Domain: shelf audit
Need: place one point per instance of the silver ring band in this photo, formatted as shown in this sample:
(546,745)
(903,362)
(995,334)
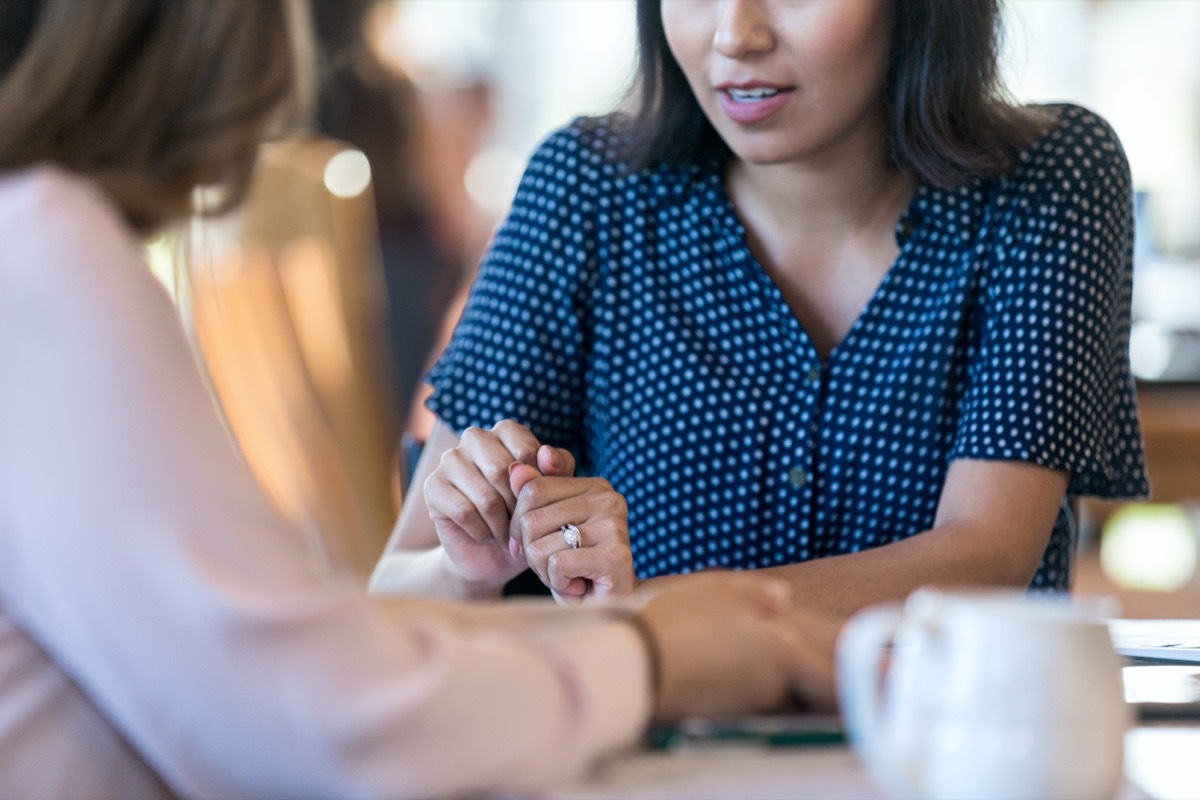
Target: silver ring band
(572,536)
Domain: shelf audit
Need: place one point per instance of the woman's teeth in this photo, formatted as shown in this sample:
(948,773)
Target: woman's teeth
(750,95)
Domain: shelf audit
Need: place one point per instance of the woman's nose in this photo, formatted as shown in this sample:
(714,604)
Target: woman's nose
(743,27)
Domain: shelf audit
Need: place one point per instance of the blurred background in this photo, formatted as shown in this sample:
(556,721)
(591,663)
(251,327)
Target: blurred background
(432,107)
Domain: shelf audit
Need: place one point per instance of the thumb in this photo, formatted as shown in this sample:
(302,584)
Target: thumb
(555,461)
(520,474)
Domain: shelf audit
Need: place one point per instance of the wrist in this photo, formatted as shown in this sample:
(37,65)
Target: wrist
(465,586)
(430,573)
(653,652)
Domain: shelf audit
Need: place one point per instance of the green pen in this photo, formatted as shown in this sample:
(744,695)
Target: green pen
(789,730)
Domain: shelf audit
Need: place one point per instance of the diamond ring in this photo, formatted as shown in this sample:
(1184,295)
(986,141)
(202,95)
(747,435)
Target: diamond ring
(572,536)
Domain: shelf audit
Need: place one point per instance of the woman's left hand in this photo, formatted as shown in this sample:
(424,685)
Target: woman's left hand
(602,563)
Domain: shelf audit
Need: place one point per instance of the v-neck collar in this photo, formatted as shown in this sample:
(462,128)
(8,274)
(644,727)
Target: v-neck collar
(710,201)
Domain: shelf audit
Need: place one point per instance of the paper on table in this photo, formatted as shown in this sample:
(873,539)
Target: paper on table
(1168,639)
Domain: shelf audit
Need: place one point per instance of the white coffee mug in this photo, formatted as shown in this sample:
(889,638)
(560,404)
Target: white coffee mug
(988,695)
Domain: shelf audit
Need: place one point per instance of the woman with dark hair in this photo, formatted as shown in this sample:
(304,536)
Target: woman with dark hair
(164,632)
(826,306)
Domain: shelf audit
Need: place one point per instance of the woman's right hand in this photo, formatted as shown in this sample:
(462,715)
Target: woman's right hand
(600,564)
(734,643)
(471,502)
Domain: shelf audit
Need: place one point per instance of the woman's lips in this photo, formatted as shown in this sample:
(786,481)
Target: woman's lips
(747,108)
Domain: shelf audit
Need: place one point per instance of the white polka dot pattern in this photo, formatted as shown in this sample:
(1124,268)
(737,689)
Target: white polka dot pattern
(621,314)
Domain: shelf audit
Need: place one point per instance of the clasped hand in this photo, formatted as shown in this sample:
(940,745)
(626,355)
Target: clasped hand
(500,501)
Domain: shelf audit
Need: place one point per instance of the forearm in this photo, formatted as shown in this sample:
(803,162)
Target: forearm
(414,562)
(948,555)
(992,528)
(429,573)
(952,554)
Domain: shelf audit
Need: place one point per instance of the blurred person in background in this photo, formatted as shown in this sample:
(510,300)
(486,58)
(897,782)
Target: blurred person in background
(163,631)
(826,305)
(418,145)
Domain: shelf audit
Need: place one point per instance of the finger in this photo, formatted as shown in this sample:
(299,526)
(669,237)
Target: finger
(491,458)
(539,548)
(555,461)
(811,641)
(460,471)
(520,474)
(446,502)
(577,596)
(544,535)
(606,571)
(609,570)
(518,440)
(573,500)
(601,516)
(532,518)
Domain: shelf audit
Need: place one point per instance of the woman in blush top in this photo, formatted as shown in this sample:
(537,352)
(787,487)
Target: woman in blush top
(164,632)
(825,306)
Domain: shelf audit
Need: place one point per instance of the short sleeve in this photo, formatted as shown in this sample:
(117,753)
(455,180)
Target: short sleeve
(1050,382)
(520,349)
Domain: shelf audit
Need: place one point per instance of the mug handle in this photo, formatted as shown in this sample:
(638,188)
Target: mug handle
(861,650)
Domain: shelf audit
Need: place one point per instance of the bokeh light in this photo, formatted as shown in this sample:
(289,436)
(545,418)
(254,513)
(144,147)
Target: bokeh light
(1149,546)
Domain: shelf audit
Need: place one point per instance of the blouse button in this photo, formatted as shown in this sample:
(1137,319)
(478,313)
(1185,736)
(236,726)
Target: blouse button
(814,375)
(797,477)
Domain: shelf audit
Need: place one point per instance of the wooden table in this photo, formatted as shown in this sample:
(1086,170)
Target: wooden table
(1160,761)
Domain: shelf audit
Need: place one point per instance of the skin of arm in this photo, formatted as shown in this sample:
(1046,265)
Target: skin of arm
(414,560)
(993,524)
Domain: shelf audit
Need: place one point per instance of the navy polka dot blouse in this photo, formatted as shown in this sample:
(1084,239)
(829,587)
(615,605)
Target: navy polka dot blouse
(621,314)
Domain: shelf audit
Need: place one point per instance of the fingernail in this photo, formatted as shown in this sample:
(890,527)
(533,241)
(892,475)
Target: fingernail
(514,548)
(512,468)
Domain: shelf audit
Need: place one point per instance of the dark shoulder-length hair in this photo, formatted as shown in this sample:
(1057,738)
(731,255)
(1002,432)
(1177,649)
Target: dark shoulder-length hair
(948,118)
(151,98)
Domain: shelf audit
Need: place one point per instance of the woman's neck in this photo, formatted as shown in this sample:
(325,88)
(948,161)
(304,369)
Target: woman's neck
(848,189)
(824,230)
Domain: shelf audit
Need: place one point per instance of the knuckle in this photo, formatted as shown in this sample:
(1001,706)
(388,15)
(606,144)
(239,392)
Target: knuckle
(554,566)
(496,474)
(519,440)
(526,527)
(525,451)
(533,493)
(459,514)
(618,561)
(450,460)
(537,561)
(491,503)
(612,503)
